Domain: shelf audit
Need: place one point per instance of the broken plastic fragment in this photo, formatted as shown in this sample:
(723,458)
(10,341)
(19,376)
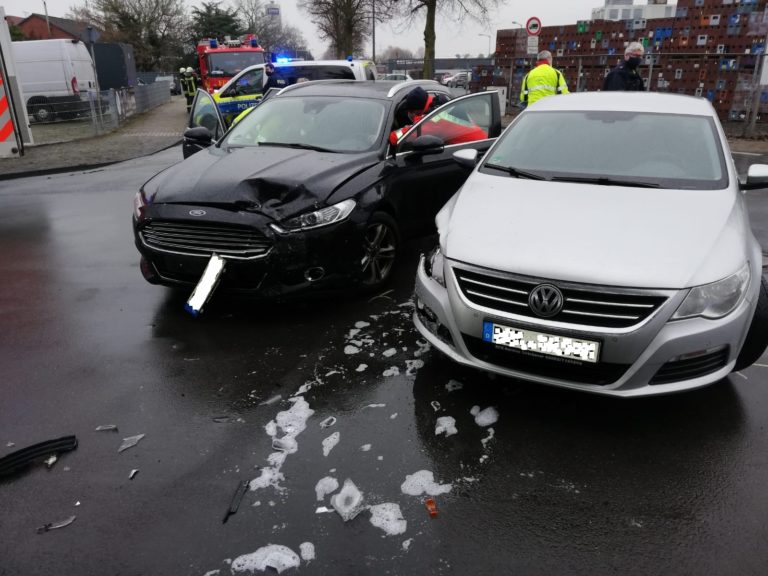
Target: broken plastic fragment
(205,287)
(330,442)
(55,525)
(271,400)
(325,486)
(389,518)
(432,507)
(106,428)
(328,422)
(435,405)
(237,497)
(348,502)
(130,442)
(50,461)
(133,473)
(407,544)
(365,447)
(323,510)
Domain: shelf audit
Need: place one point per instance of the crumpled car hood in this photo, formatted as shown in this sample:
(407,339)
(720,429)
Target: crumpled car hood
(616,236)
(278,182)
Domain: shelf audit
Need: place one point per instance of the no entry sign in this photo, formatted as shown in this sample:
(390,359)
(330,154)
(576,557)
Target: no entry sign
(533,26)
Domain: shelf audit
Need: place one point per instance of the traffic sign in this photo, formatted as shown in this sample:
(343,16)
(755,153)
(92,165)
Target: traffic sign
(533,26)
(532,45)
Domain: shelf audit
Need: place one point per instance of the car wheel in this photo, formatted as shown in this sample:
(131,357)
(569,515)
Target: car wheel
(757,337)
(381,244)
(41,111)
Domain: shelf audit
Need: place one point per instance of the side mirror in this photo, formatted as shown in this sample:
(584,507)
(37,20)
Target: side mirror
(757,177)
(466,158)
(428,144)
(195,139)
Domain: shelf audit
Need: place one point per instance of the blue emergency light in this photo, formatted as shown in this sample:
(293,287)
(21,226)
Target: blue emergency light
(213,43)
(254,43)
(283,60)
(349,58)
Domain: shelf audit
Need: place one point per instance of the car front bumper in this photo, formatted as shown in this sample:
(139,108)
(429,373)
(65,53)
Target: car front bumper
(658,357)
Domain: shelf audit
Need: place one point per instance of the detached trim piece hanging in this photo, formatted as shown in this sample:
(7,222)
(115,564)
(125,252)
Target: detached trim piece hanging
(205,287)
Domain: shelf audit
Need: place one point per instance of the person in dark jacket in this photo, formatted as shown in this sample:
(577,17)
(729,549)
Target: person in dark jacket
(625,76)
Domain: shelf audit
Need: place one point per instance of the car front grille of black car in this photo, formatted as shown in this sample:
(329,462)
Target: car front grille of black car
(205,239)
(583,304)
(689,368)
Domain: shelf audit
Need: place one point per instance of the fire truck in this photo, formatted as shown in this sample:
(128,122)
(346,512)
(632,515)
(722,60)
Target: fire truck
(218,62)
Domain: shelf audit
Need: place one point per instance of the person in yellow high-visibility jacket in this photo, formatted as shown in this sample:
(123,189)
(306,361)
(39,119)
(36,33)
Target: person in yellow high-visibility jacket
(542,81)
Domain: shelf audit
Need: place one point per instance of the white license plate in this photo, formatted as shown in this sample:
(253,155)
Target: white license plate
(541,343)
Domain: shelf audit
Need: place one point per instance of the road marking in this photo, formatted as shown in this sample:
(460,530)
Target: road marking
(761,365)
(742,375)
(747,153)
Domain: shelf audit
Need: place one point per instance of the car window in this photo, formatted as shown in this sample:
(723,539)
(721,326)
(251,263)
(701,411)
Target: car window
(230,63)
(466,120)
(248,84)
(204,113)
(292,74)
(651,148)
(333,123)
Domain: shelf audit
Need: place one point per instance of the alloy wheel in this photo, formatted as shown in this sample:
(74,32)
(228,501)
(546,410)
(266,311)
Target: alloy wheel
(380,250)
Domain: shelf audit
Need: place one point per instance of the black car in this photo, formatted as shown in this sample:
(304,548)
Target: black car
(307,192)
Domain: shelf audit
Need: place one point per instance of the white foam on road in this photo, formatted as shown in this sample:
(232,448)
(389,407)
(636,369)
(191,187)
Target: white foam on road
(423,482)
(445,425)
(307,551)
(330,442)
(389,518)
(454,385)
(389,352)
(349,349)
(484,417)
(275,556)
(325,486)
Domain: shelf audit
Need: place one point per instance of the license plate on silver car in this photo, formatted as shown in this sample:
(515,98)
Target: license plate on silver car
(541,342)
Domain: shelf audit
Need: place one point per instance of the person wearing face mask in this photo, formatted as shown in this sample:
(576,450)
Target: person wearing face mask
(272,80)
(625,76)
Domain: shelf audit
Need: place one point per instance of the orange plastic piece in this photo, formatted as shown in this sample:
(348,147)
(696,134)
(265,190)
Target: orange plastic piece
(431,506)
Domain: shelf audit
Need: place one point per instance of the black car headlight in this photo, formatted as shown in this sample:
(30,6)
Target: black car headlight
(318,218)
(434,266)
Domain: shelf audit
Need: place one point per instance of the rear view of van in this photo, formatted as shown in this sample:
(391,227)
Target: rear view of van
(55,76)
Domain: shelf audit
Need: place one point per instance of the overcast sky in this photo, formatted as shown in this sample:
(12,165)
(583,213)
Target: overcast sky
(452,37)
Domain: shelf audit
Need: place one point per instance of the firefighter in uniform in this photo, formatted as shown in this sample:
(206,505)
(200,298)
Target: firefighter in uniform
(188,85)
(542,81)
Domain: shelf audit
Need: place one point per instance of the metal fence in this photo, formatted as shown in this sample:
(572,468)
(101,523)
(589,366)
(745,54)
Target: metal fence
(95,113)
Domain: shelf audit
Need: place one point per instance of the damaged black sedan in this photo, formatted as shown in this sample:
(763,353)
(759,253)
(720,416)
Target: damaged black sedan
(310,190)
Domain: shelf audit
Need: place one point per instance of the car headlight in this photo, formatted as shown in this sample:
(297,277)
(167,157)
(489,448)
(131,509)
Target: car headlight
(434,266)
(138,204)
(717,299)
(318,218)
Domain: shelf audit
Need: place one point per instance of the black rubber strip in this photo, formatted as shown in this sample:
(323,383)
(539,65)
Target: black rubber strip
(15,461)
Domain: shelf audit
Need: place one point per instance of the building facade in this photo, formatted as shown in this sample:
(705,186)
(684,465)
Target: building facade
(709,48)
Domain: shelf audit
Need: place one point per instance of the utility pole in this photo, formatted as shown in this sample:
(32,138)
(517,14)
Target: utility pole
(373,28)
(47,23)
(749,128)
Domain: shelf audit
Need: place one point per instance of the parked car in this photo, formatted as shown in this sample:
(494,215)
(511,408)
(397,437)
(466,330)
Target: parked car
(397,77)
(53,74)
(173,82)
(246,88)
(306,192)
(602,244)
(460,80)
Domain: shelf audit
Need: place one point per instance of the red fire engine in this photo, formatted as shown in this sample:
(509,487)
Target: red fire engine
(218,62)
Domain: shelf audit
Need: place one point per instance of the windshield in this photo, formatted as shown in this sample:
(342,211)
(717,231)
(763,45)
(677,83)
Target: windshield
(293,73)
(230,63)
(331,123)
(661,150)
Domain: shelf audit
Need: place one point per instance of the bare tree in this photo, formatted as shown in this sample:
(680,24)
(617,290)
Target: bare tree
(344,23)
(395,52)
(455,9)
(251,12)
(155,28)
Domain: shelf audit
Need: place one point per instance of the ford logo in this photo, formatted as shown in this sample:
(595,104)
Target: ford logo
(197,212)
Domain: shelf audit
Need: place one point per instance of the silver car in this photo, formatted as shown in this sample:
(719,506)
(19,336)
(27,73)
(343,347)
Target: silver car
(602,244)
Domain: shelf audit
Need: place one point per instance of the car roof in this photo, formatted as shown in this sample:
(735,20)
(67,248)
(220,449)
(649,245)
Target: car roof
(627,102)
(381,89)
(348,63)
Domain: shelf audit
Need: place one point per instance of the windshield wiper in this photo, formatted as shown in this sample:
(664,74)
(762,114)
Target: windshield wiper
(602,181)
(515,172)
(297,145)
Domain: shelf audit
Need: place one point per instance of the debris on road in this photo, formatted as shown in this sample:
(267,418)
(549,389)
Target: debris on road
(431,507)
(21,458)
(50,461)
(325,486)
(130,442)
(330,442)
(237,497)
(106,428)
(348,502)
(454,385)
(328,422)
(435,405)
(271,400)
(485,417)
(56,525)
(423,482)
(388,517)
(133,473)
(446,425)
(322,510)
(307,551)
(273,556)
(365,447)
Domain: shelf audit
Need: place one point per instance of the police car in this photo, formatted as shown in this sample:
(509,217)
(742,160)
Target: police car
(247,88)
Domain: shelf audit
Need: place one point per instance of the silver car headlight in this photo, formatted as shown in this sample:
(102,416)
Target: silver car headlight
(717,299)
(318,218)
(138,204)
(434,266)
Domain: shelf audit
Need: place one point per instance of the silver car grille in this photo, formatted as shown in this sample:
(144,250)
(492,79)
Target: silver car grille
(584,304)
(205,239)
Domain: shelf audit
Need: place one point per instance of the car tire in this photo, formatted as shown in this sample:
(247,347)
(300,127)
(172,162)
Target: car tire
(381,248)
(757,336)
(40,110)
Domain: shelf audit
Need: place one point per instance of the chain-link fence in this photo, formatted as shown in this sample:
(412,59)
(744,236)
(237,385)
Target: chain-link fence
(93,113)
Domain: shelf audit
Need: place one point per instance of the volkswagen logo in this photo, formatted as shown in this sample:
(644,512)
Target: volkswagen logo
(197,212)
(545,300)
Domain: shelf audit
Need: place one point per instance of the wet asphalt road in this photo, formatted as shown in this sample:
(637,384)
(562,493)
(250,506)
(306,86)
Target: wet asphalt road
(566,484)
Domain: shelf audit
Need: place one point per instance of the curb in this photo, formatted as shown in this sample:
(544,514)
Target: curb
(79,167)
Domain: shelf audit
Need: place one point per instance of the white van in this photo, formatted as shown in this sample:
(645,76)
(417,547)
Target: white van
(53,74)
